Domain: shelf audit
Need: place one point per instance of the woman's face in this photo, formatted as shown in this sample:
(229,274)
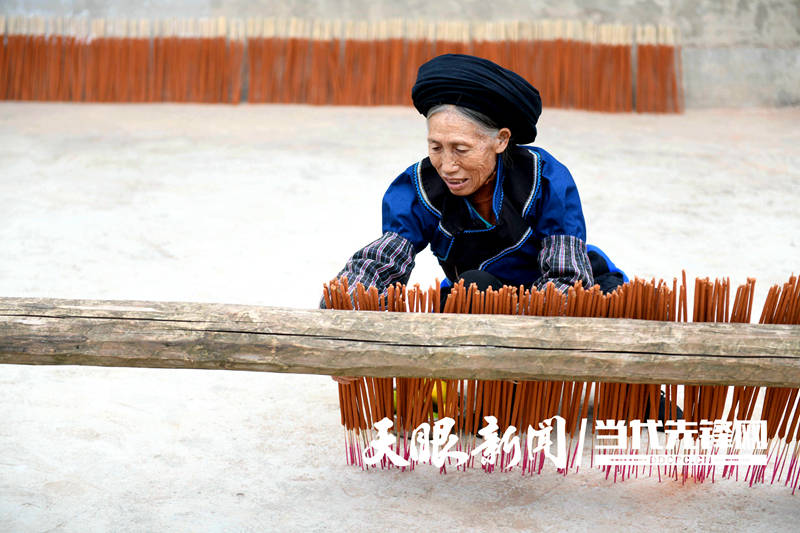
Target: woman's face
(462,154)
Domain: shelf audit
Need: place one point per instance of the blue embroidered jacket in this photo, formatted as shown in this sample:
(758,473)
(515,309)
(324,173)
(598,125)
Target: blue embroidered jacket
(534,202)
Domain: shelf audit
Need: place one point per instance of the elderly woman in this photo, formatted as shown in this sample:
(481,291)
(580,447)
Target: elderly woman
(494,211)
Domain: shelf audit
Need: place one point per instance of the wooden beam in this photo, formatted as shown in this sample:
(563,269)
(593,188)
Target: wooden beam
(41,331)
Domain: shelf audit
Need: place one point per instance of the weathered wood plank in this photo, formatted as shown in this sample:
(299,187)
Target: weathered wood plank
(218,336)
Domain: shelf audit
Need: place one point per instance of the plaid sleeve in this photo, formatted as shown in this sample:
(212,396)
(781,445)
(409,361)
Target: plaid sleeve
(563,260)
(381,263)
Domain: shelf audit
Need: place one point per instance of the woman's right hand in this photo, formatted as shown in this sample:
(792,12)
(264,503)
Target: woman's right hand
(344,380)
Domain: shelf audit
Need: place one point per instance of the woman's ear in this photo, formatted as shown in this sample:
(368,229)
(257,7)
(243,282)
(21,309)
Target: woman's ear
(503,137)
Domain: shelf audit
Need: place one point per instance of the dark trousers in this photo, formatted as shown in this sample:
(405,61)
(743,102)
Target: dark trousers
(482,279)
(608,281)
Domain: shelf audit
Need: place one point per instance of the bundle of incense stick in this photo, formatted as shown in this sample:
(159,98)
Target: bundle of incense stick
(119,60)
(410,402)
(658,74)
(328,62)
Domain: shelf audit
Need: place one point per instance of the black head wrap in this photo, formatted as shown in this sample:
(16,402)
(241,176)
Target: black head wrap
(483,86)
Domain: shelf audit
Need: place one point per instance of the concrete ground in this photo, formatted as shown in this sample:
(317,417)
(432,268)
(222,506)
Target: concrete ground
(260,205)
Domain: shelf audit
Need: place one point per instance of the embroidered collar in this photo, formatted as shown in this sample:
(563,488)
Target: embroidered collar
(497,201)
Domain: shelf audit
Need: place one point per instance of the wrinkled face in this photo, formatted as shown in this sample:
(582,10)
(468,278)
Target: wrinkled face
(462,154)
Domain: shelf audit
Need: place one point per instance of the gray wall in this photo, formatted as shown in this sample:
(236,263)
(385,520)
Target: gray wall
(735,52)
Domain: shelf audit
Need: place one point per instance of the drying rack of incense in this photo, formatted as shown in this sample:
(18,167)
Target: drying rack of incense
(581,65)
(607,379)
(520,355)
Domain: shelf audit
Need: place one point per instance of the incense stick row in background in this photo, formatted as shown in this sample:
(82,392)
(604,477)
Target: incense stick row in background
(607,67)
(413,401)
